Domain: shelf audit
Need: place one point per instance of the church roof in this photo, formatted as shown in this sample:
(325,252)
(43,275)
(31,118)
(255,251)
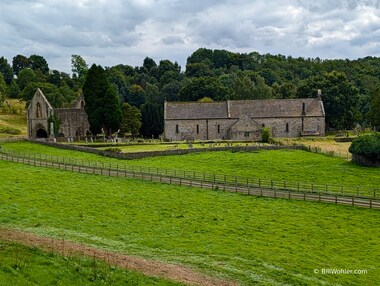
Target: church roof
(260,108)
(195,110)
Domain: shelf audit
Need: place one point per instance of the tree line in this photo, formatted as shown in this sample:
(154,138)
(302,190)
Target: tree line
(350,88)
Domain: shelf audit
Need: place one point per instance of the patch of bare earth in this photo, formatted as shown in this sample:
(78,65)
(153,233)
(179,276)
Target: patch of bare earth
(148,267)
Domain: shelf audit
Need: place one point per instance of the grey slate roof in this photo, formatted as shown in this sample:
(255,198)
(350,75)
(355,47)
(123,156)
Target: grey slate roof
(261,108)
(195,110)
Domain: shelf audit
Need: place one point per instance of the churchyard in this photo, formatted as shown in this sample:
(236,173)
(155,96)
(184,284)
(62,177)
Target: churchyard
(231,237)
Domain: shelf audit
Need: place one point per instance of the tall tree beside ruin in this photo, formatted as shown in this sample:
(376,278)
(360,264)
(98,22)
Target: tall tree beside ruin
(102,102)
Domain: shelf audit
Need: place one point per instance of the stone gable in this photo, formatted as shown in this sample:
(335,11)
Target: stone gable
(74,121)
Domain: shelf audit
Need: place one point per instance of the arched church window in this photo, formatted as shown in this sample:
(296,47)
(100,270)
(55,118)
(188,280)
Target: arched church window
(38,111)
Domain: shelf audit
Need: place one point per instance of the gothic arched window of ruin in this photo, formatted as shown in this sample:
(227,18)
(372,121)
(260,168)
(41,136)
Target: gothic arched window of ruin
(38,111)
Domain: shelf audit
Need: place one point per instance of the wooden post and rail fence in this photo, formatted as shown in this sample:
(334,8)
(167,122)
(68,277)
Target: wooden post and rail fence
(354,196)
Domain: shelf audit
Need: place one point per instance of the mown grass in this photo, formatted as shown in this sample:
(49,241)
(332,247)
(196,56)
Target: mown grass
(279,165)
(173,146)
(252,240)
(22,265)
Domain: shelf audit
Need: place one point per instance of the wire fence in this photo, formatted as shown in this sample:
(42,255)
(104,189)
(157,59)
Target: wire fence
(194,176)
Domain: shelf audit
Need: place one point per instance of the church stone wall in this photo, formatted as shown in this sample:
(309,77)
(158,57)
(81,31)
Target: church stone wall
(74,122)
(208,129)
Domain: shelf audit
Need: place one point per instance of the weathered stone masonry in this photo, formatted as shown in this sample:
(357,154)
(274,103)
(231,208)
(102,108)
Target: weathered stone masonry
(74,121)
(244,119)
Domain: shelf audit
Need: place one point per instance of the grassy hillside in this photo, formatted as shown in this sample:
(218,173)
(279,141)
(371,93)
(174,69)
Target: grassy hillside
(21,265)
(278,165)
(253,240)
(12,119)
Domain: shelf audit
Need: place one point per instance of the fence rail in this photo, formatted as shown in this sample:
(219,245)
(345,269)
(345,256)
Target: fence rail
(258,187)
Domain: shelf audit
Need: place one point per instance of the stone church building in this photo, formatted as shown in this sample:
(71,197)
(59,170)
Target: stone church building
(244,119)
(74,122)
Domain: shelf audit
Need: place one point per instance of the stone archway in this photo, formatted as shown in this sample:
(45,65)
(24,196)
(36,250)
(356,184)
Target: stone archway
(41,133)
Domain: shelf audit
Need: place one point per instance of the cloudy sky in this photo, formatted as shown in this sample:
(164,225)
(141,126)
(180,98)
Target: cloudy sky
(110,32)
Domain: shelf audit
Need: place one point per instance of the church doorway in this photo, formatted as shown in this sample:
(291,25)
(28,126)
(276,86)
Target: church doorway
(41,133)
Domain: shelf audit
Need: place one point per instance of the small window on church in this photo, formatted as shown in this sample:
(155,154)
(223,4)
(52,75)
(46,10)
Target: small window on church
(287,127)
(177,129)
(263,125)
(82,104)
(197,129)
(218,128)
(246,134)
(38,111)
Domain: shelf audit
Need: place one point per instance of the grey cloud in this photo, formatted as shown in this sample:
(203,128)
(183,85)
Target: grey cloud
(171,40)
(114,30)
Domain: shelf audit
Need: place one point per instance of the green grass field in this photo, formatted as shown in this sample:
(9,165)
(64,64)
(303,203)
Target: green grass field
(21,265)
(279,165)
(249,239)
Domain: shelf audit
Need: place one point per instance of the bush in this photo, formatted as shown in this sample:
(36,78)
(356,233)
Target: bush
(266,135)
(10,130)
(366,145)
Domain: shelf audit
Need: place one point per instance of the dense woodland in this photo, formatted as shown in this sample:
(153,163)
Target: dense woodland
(350,88)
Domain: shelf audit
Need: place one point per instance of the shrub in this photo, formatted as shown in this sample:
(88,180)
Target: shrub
(10,130)
(266,134)
(367,145)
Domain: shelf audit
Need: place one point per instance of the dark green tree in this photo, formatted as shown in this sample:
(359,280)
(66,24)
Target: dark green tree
(38,63)
(14,90)
(6,70)
(25,77)
(3,89)
(102,102)
(131,120)
(149,63)
(374,112)
(136,95)
(113,115)
(340,98)
(52,93)
(152,120)
(19,63)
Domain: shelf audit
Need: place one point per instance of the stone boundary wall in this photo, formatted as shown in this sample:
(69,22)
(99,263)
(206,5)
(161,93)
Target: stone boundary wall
(363,160)
(139,155)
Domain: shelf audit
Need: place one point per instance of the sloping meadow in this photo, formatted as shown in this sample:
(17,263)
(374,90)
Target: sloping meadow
(243,238)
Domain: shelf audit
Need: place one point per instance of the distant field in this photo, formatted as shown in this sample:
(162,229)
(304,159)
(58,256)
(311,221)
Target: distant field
(21,265)
(252,240)
(325,144)
(278,165)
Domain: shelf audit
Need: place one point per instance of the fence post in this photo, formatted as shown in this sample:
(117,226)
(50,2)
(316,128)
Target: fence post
(353,200)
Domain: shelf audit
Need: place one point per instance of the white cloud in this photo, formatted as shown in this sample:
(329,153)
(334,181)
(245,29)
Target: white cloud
(115,31)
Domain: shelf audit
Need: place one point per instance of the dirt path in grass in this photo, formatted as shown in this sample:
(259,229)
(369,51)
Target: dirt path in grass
(148,267)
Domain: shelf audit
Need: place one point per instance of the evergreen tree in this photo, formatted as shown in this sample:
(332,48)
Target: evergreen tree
(152,119)
(102,102)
